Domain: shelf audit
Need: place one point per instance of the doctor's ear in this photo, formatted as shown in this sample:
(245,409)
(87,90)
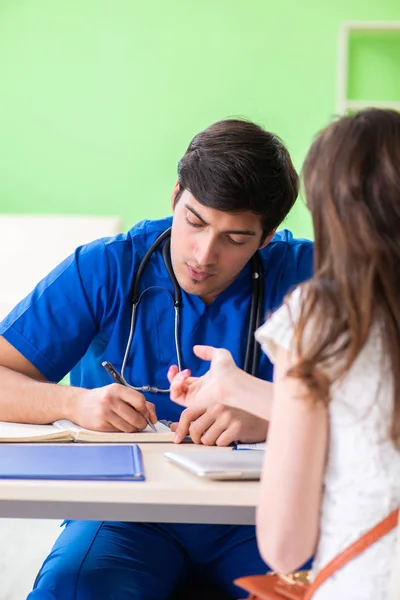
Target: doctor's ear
(175,194)
(268,239)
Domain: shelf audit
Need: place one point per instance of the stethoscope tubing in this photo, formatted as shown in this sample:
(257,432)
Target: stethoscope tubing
(256,309)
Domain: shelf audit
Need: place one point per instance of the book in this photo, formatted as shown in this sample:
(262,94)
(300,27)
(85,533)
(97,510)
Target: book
(111,463)
(66,431)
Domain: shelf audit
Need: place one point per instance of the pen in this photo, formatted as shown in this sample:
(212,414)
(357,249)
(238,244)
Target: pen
(112,371)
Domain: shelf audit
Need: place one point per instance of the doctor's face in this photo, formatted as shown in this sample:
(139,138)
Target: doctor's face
(209,247)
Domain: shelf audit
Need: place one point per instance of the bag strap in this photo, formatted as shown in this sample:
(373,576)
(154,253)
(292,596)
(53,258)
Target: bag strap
(366,540)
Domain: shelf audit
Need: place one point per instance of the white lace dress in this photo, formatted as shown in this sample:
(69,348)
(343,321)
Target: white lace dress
(362,477)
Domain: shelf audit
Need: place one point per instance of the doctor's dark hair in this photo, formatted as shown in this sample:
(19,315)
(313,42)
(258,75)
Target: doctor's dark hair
(235,166)
(352,186)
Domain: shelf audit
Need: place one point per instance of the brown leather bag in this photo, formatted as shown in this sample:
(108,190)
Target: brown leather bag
(297,587)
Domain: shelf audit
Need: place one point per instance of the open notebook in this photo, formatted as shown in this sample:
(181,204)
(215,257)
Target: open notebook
(66,431)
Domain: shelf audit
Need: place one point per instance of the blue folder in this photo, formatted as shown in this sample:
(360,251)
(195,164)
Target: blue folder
(111,463)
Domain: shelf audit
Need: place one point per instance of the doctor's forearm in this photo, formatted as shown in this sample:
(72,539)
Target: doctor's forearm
(26,400)
(249,393)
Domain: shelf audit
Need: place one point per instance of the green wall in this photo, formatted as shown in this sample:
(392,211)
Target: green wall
(99,98)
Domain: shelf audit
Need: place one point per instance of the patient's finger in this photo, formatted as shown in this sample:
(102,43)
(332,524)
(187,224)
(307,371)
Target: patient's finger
(205,352)
(172,371)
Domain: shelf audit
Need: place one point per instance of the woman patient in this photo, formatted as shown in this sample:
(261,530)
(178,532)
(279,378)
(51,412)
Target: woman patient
(332,464)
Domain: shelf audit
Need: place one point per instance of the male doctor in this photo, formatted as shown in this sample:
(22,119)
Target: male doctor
(236,184)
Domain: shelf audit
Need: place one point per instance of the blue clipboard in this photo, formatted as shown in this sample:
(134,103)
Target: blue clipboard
(72,461)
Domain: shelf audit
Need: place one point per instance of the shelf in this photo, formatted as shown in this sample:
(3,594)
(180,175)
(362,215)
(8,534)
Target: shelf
(371,25)
(359,104)
(346,29)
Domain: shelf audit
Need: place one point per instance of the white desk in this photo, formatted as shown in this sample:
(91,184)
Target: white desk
(169,495)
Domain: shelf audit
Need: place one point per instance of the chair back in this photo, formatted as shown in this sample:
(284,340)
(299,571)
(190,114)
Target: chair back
(32,245)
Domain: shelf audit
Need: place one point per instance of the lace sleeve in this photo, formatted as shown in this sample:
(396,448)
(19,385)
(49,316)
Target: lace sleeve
(278,330)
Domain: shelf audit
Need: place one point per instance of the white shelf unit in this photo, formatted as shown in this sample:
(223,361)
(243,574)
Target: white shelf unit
(346,28)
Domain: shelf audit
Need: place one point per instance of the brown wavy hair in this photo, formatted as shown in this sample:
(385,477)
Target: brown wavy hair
(352,184)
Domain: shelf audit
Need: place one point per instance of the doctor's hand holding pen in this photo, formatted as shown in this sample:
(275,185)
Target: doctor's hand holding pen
(222,405)
(114,407)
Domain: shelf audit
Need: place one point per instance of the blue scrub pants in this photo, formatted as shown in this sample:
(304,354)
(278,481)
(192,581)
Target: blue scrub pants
(101,560)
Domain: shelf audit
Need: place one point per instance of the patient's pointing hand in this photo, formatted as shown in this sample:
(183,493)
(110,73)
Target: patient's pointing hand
(210,388)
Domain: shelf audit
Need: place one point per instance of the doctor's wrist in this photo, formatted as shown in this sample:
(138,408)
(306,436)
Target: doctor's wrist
(71,401)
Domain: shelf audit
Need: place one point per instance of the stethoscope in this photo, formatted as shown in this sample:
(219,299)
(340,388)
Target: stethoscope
(256,309)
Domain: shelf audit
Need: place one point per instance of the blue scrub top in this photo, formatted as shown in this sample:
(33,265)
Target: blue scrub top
(79,315)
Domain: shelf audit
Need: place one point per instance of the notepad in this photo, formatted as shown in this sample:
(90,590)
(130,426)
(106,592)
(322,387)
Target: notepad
(66,431)
(111,463)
